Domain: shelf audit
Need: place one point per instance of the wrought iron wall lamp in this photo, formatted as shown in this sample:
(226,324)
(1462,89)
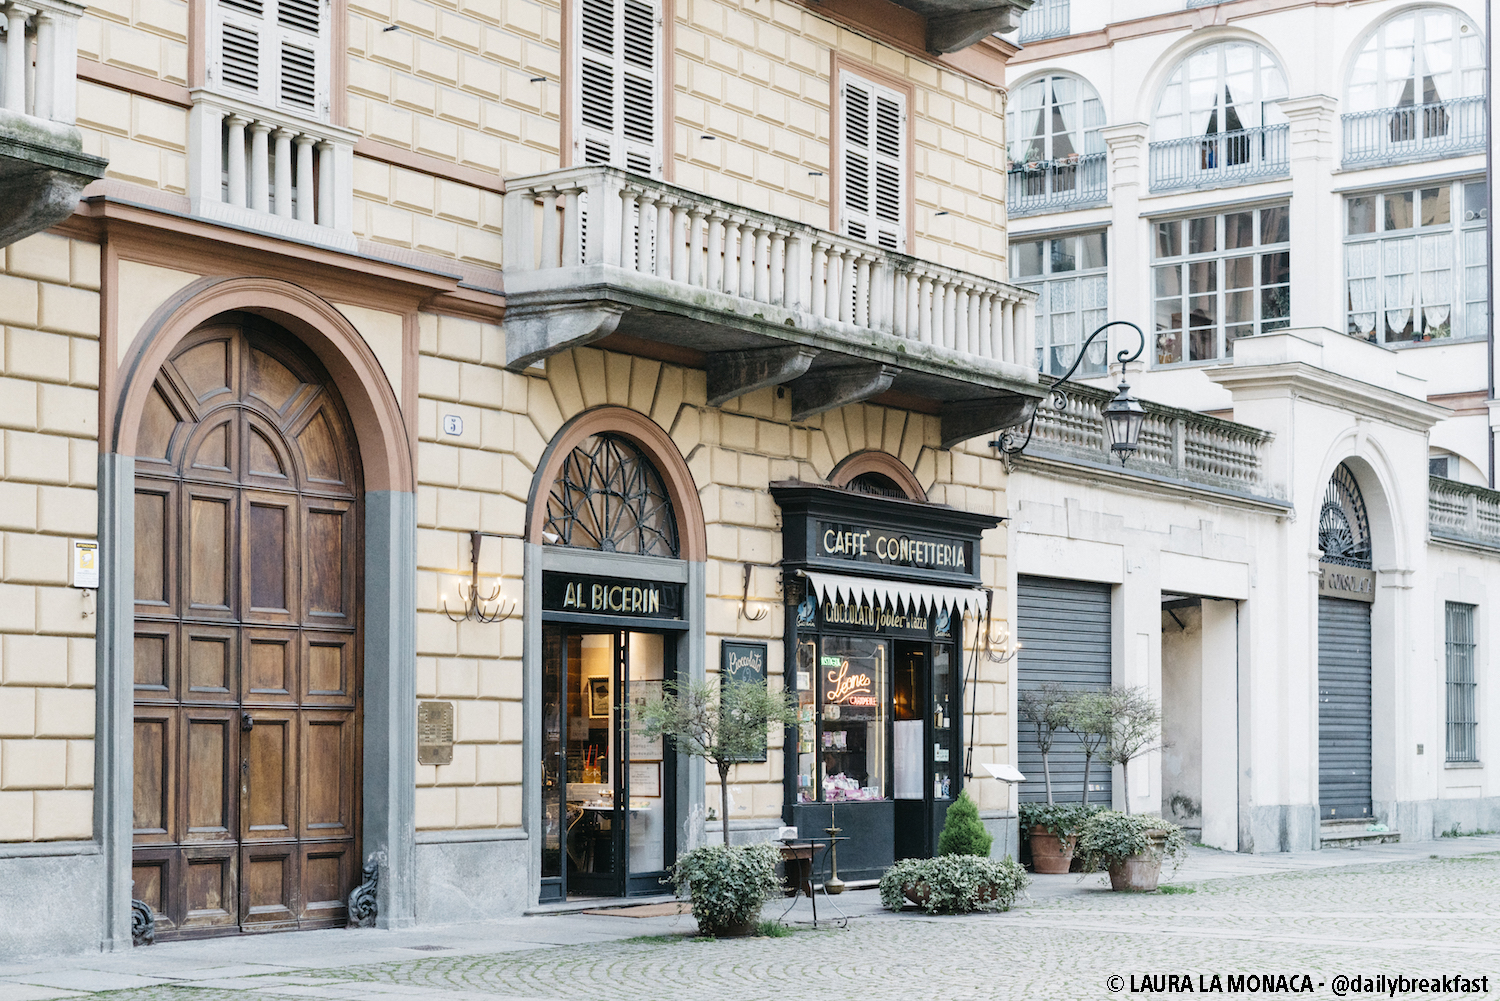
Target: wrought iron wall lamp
(745,612)
(476,607)
(1123,416)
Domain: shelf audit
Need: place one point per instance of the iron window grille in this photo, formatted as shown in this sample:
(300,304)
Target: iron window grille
(1343,523)
(609,497)
(1463,721)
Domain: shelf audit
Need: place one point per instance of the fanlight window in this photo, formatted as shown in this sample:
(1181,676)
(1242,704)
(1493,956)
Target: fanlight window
(1055,117)
(1228,87)
(1343,526)
(609,497)
(1421,57)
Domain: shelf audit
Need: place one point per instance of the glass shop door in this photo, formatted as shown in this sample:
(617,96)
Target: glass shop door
(606,796)
(924,745)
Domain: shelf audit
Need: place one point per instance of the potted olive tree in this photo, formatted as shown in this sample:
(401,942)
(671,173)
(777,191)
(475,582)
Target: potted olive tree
(1130,848)
(1051,828)
(1091,716)
(723,723)
(1134,729)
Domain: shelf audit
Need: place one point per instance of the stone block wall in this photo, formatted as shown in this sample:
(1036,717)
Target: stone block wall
(49,308)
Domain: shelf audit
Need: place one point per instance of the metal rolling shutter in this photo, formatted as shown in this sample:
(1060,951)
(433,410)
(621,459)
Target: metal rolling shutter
(1343,709)
(1064,628)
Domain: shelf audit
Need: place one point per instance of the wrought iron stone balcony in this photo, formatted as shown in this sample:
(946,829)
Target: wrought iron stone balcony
(1415,132)
(1220,159)
(1045,19)
(272,171)
(759,300)
(1462,512)
(1180,445)
(43,167)
(1058,185)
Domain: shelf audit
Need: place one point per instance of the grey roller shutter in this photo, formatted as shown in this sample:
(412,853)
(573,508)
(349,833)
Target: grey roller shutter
(1064,629)
(1343,709)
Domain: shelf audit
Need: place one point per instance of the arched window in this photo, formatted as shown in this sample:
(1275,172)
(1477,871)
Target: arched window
(609,497)
(1226,87)
(1424,56)
(1054,117)
(1343,524)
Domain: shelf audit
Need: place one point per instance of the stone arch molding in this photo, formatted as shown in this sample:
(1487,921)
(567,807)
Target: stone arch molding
(384,446)
(875,461)
(658,447)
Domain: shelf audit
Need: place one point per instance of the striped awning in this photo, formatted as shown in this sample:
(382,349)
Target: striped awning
(888,593)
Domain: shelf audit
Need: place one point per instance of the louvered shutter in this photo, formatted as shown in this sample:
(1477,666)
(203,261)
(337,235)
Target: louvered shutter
(873,200)
(273,52)
(618,93)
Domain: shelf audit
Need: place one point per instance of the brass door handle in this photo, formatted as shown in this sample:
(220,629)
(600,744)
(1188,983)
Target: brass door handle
(247,722)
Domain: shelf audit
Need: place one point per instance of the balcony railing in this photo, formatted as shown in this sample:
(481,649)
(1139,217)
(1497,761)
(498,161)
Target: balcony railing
(1058,185)
(1462,512)
(1176,444)
(1045,19)
(1415,132)
(696,245)
(1221,159)
(290,176)
(40,59)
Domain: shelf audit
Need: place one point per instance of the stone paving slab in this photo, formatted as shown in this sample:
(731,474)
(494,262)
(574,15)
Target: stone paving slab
(31,992)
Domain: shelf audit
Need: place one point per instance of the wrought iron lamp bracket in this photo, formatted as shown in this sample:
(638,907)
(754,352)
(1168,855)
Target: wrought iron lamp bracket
(1058,397)
(744,610)
(474,604)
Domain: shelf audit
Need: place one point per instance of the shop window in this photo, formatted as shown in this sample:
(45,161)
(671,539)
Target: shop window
(1463,724)
(842,739)
(1218,278)
(1069,275)
(609,497)
(1415,263)
(617,111)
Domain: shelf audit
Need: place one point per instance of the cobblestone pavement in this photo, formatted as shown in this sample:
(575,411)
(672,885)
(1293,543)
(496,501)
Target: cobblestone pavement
(1415,913)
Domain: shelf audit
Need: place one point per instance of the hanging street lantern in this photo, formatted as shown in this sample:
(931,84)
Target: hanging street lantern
(1123,416)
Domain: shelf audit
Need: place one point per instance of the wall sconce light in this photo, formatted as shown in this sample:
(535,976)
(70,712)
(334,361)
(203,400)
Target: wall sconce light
(1123,415)
(998,647)
(745,600)
(477,607)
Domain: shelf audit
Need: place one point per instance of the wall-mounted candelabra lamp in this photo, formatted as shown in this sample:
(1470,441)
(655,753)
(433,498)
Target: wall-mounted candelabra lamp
(479,601)
(1123,415)
(744,612)
(998,645)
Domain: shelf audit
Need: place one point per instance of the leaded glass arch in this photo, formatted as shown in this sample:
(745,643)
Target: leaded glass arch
(1343,525)
(609,497)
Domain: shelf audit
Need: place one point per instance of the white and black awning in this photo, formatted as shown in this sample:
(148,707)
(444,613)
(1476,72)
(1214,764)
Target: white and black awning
(888,593)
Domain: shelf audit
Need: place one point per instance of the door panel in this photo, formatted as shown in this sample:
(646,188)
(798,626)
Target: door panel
(247,639)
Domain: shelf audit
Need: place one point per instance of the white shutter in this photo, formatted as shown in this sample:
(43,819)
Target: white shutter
(619,98)
(873,169)
(273,52)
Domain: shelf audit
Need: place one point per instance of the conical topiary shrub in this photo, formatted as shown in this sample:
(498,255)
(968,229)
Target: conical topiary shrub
(963,831)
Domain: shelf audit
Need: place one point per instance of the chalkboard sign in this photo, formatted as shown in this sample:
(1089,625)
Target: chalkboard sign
(739,661)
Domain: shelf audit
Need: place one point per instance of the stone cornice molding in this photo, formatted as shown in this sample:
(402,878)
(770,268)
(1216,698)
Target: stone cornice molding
(1299,380)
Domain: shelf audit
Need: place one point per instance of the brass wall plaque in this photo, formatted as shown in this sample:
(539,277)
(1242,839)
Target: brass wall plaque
(1354,583)
(434,733)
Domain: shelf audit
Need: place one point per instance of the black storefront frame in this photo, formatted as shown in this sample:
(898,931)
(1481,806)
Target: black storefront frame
(838,531)
(669,620)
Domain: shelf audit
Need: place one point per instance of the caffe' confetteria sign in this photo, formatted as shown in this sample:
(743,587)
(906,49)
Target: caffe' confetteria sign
(892,547)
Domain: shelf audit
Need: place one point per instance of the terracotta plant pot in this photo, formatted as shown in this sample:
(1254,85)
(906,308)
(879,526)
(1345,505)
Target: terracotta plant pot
(1139,873)
(1051,855)
(917,892)
(741,930)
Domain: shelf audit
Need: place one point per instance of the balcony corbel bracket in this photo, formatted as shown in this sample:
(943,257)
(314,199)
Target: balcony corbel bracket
(831,388)
(533,333)
(735,373)
(953,32)
(967,419)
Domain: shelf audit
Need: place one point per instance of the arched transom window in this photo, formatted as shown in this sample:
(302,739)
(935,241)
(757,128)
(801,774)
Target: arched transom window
(1226,87)
(1425,56)
(1343,525)
(1055,117)
(609,497)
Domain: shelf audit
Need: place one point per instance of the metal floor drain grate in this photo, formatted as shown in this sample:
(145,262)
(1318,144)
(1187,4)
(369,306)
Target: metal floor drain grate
(429,948)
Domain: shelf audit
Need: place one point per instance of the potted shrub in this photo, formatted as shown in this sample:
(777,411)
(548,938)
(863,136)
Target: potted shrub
(953,884)
(963,832)
(1131,848)
(1052,829)
(728,885)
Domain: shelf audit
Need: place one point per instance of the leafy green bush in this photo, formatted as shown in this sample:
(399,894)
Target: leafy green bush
(728,885)
(963,831)
(1109,837)
(1060,819)
(954,884)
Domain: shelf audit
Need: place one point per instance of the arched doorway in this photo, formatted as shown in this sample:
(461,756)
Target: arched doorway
(1346,591)
(248,637)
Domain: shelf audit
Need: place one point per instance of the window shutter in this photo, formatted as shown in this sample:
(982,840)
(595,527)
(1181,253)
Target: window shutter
(618,60)
(874,163)
(274,52)
(239,58)
(301,36)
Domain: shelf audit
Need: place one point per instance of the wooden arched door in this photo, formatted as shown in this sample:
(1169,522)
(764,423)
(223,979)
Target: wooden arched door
(248,650)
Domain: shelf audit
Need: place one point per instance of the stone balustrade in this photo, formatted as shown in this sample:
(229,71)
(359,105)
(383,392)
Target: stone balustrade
(1463,512)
